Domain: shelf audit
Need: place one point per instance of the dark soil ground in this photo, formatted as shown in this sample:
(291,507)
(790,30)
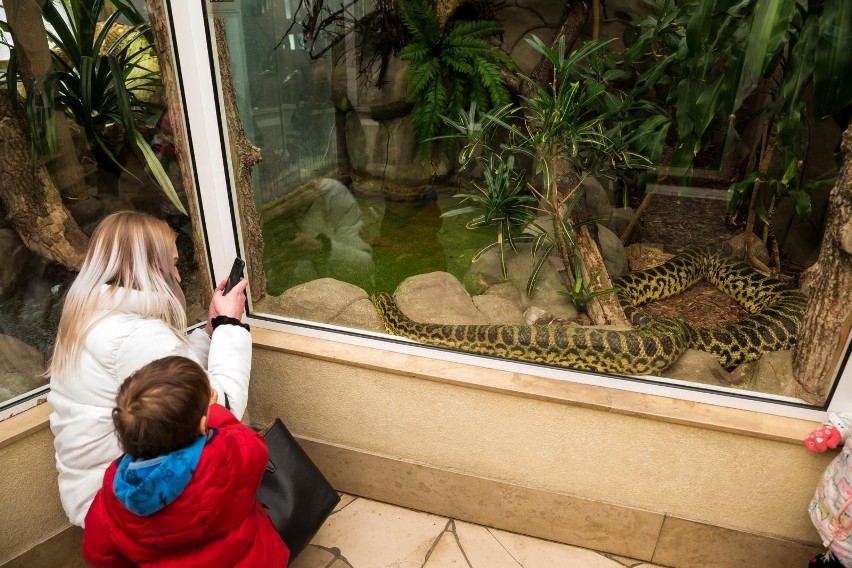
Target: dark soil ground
(675,224)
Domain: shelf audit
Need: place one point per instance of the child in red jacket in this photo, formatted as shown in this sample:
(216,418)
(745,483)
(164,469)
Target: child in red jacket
(184,493)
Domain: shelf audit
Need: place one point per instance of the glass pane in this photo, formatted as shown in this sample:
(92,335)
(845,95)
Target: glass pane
(82,166)
(482,174)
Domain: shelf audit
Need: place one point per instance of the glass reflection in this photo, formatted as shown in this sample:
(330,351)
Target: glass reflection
(408,140)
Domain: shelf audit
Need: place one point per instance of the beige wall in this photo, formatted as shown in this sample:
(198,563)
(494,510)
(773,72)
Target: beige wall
(29,499)
(749,483)
(730,480)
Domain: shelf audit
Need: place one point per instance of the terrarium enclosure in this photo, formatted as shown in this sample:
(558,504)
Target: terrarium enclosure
(651,189)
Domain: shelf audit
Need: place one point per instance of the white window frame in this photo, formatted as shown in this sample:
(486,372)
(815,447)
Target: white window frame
(195,57)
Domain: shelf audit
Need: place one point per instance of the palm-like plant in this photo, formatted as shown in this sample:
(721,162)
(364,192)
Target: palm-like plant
(501,199)
(450,68)
(103,77)
(563,122)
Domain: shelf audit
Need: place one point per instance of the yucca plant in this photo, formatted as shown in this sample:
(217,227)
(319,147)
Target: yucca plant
(561,121)
(103,77)
(450,68)
(582,291)
(501,199)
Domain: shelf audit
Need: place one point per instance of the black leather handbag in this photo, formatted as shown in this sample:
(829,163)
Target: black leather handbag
(297,495)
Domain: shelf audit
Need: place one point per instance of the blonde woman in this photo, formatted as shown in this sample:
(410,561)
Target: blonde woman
(124,310)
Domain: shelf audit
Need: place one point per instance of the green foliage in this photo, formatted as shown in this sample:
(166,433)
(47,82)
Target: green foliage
(501,200)
(582,292)
(450,68)
(562,122)
(700,67)
(102,78)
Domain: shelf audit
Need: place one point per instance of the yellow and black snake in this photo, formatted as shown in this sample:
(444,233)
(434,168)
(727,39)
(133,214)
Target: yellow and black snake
(775,316)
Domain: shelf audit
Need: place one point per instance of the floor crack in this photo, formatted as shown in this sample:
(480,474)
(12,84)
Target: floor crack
(458,542)
(435,543)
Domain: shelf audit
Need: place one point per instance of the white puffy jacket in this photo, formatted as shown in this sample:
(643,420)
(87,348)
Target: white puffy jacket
(81,420)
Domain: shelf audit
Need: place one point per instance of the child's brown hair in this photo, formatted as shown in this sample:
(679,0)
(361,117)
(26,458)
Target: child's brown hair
(159,408)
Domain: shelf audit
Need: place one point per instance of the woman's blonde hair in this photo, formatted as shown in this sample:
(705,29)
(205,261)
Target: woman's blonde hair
(129,254)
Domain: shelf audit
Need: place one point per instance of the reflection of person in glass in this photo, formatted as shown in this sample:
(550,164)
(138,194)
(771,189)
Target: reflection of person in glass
(328,239)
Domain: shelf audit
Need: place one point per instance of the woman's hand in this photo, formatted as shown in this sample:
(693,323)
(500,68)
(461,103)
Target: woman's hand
(231,305)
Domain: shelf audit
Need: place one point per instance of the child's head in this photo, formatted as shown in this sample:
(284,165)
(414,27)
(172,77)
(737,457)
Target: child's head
(162,407)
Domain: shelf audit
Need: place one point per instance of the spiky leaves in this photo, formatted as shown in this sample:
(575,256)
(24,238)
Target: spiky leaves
(104,75)
(450,68)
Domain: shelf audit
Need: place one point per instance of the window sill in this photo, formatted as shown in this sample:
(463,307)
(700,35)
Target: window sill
(714,417)
(25,423)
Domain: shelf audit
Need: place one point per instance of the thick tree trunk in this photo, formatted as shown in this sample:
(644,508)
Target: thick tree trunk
(163,46)
(602,310)
(828,317)
(35,62)
(244,156)
(605,309)
(33,205)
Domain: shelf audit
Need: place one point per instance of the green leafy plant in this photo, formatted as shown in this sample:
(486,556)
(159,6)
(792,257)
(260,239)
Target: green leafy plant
(582,291)
(562,124)
(712,67)
(501,199)
(450,68)
(103,77)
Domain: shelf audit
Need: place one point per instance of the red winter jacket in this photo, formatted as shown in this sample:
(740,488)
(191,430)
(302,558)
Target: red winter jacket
(215,521)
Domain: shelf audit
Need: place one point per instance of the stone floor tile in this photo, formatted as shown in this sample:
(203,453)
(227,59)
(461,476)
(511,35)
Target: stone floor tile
(374,534)
(481,548)
(344,500)
(313,557)
(535,553)
(633,563)
(446,553)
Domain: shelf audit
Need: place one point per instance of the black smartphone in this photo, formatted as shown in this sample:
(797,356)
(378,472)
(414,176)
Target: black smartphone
(236,274)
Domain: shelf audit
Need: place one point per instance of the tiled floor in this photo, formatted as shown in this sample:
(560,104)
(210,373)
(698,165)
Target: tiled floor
(361,533)
(368,534)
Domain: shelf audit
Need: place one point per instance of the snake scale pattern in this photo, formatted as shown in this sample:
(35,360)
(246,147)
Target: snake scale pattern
(775,316)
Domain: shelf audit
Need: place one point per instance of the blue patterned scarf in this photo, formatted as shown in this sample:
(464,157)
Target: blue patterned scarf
(146,486)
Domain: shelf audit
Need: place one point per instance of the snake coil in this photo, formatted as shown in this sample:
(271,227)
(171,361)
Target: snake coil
(775,316)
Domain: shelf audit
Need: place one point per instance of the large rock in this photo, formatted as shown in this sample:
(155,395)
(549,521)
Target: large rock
(327,300)
(598,204)
(548,293)
(698,367)
(21,367)
(619,218)
(437,297)
(518,23)
(389,101)
(498,310)
(773,374)
(612,251)
(385,150)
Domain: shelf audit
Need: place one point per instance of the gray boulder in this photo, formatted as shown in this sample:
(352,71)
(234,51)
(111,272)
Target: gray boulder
(326,300)
(437,297)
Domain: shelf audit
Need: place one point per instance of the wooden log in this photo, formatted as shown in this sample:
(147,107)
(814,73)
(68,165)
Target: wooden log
(826,325)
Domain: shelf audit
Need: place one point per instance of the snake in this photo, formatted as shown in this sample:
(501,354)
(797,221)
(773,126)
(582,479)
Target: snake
(775,314)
